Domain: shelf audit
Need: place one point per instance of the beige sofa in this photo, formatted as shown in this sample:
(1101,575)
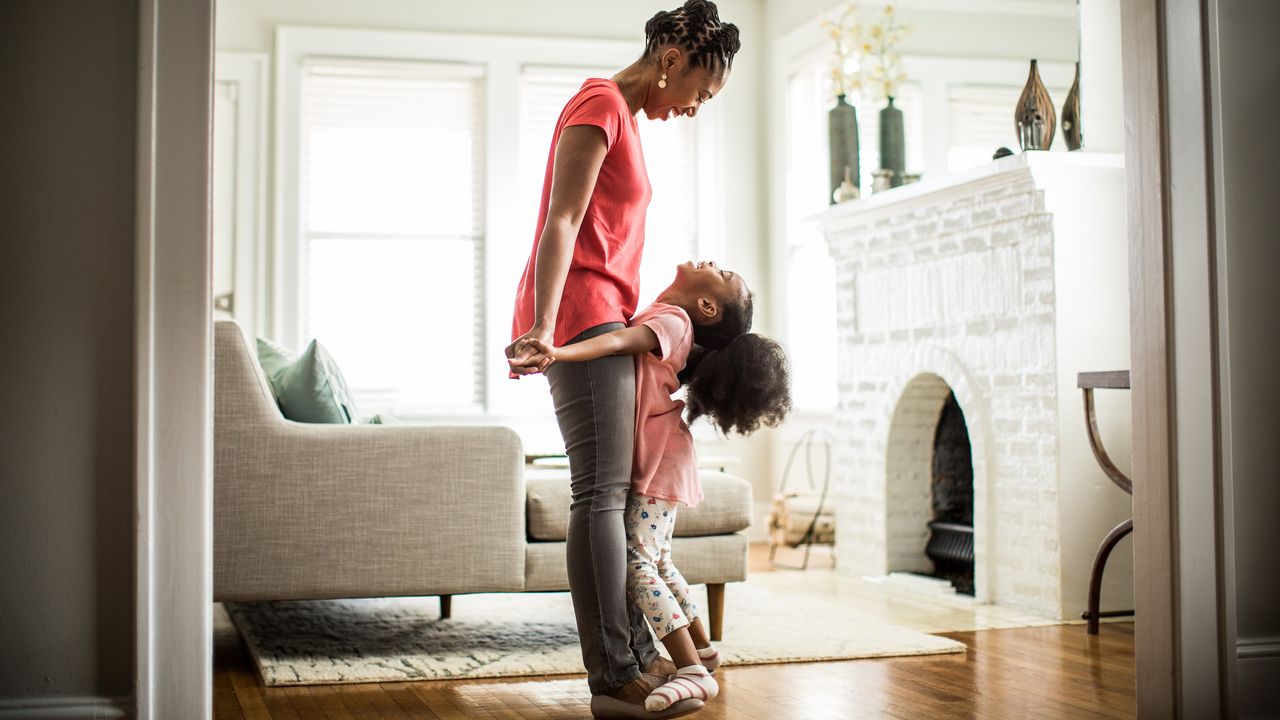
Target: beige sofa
(338,511)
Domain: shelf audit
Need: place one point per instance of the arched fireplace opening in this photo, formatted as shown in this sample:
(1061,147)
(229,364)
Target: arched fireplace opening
(950,544)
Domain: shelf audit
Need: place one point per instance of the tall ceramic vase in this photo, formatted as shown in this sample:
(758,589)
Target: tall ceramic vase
(893,148)
(1034,118)
(842,137)
(1071,115)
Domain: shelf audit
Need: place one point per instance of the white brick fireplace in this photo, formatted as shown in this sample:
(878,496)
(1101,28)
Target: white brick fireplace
(1000,286)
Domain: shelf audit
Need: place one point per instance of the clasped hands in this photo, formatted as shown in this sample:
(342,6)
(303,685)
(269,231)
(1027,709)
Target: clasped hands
(531,353)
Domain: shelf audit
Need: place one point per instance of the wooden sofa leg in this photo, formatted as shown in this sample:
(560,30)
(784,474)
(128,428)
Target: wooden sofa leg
(715,598)
(446,606)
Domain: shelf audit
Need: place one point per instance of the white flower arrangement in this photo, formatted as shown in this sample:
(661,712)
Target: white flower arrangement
(865,58)
(845,31)
(885,73)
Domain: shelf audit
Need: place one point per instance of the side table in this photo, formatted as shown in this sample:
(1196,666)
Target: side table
(1088,382)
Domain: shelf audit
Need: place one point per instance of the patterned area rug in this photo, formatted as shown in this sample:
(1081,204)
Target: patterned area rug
(323,642)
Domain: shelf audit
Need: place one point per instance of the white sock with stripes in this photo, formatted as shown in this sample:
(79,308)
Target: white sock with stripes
(710,657)
(689,682)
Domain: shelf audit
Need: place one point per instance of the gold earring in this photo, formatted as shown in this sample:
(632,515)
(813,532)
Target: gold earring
(662,81)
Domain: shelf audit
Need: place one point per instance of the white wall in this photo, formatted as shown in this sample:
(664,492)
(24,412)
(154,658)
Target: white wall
(66,368)
(1041,29)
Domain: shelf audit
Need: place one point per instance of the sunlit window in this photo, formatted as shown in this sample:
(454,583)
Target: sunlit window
(391,214)
(670,153)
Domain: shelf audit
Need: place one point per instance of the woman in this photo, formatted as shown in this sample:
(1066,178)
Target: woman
(583,279)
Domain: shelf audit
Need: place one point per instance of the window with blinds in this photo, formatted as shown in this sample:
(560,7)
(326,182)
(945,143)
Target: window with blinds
(812,87)
(391,215)
(981,120)
(670,152)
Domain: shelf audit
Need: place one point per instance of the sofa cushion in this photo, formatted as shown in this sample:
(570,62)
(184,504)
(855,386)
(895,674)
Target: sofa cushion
(725,508)
(708,559)
(309,387)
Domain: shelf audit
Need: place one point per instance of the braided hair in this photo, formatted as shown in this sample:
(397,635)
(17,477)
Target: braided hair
(737,379)
(695,28)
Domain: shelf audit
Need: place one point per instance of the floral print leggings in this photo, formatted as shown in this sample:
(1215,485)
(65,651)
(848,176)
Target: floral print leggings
(655,585)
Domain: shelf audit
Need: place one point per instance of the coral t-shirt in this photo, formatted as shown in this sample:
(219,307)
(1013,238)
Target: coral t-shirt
(603,284)
(664,465)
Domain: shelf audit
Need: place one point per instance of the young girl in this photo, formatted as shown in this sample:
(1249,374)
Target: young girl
(694,334)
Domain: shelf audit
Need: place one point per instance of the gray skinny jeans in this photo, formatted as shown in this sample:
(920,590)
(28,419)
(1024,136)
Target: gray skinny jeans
(595,406)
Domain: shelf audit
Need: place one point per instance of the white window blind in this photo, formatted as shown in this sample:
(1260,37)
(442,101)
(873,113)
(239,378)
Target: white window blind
(391,217)
(670,152)
(981,120)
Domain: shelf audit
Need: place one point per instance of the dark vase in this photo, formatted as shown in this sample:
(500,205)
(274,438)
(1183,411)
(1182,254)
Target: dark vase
(842,144)
(893,147)
(1034,118)
(1071,115)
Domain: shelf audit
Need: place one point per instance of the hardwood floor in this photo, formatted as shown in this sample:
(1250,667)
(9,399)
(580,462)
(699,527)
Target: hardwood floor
(1043,673)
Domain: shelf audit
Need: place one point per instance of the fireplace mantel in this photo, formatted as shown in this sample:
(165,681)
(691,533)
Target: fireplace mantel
(1045,168)
(997,285)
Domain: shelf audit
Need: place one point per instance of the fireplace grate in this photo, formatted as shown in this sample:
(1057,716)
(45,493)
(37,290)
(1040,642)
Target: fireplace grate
(950,548)
(950,542)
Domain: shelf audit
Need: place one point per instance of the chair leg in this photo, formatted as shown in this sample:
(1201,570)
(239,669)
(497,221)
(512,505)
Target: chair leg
(1099,564)
(446,606)
(715,598)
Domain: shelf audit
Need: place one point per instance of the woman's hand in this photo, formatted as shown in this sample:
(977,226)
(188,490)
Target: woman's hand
(521,353)
(536,353)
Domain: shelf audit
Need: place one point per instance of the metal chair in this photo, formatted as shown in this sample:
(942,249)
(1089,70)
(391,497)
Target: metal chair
(787,506)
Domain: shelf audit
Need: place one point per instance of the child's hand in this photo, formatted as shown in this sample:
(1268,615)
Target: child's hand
(534,353)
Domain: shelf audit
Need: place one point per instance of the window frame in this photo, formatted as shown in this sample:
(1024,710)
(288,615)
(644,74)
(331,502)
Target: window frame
(503,58)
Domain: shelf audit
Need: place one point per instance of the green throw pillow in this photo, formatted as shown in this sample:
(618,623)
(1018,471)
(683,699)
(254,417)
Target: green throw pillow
(274,359)
(308,387)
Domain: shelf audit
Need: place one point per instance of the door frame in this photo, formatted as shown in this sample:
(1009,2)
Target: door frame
(1184,626)
(173,663)
(174,462)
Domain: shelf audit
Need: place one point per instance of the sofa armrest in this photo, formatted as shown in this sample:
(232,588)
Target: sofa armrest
(328,511)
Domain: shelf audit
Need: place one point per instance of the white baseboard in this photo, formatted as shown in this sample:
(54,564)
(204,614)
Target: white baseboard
(71,708)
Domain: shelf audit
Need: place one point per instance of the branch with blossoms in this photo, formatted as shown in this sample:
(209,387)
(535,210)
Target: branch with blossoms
(885,74)
(845,31)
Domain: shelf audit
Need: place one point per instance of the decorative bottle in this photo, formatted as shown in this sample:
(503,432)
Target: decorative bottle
(1034,118)
(1071,115)
(893,149)
(842,143)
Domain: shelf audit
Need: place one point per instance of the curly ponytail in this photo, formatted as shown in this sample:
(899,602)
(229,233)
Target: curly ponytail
(740,387)
(695,27)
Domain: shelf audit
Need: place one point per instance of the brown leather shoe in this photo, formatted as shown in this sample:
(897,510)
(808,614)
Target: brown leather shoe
(661,667)
(628,702)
